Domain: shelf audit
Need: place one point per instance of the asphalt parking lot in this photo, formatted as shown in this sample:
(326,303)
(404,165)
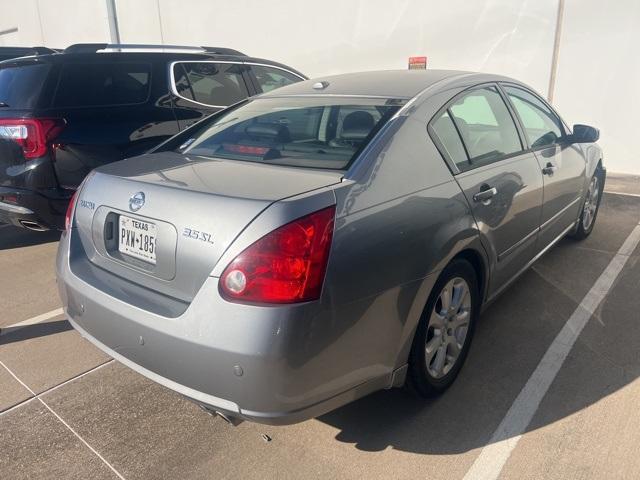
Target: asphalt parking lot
(68,411)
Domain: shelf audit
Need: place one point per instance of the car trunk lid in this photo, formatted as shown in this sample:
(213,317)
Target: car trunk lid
(194,206)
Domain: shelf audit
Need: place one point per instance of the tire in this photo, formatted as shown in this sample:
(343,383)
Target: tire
(590,207)
(431,368)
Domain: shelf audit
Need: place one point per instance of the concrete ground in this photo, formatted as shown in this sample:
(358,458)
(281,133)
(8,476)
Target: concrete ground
(623,183)
(58,421)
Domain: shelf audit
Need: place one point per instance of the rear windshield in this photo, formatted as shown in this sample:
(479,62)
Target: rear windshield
(302,132)
(20,85)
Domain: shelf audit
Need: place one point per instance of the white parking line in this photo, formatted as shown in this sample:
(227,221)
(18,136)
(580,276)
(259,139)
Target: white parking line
(62,420)
(623,193)
(31,321)
(489,464)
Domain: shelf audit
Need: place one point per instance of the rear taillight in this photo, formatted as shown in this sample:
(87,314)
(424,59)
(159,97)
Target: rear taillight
(68,218)
(71,208)
(32,134)
(285,266)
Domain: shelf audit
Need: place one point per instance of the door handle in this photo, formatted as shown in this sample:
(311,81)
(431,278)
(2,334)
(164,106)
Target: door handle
(485,194)
(549,169)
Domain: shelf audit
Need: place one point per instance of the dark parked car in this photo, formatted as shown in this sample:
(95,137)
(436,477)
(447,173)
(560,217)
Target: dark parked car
(62,115)
(336,237)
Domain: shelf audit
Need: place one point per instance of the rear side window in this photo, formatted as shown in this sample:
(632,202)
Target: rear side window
(270,78)
(446,132)
(301,132)
(20,86)
(213,84)
(103,84)
(541,125)
(477,129)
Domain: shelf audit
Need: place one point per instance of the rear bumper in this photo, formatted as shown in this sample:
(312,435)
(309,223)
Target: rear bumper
(232,409)
(32,208)
(275,365)
(36,196)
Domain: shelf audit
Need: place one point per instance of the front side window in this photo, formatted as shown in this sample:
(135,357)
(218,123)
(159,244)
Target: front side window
(103,84)
(301,132)
(270,78)
(541,125)
(485,125)
(214,84)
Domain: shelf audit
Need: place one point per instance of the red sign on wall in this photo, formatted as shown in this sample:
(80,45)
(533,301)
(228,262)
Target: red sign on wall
(417,63)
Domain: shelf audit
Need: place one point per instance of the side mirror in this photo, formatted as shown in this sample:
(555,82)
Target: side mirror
(584,134)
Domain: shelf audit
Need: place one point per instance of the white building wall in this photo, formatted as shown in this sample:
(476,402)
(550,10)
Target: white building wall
(599,75)
(139,21)
(514,37)
(53,23)
(25,19)
(597,70)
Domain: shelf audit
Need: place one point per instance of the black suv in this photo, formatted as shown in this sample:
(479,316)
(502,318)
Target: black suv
(62,115)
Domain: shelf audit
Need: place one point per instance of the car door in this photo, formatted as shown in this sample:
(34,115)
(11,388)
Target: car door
(501,182)
(561,163)
(201,88)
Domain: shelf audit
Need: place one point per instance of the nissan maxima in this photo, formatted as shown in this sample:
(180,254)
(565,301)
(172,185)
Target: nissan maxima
(304,248)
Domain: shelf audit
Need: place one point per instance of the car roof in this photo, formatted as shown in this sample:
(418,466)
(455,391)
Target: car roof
(147,56)
(384,83)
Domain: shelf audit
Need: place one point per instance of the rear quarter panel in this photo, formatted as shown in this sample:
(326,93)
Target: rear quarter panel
(398,223)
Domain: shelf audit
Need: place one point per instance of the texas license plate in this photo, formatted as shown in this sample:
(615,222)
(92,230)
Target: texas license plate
(137,239)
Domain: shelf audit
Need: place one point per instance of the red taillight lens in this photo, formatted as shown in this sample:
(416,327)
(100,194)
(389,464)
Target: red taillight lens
(32,134)
(68,218)
(285,266)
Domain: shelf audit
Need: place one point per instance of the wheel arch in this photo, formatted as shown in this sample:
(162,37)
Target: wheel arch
(594,158)
(472,253)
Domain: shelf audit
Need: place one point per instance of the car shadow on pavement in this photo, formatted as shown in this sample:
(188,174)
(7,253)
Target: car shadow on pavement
(27,332)
(16,237)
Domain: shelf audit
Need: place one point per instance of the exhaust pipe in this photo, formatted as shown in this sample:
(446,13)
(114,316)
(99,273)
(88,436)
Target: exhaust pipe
(33,226)
(233,421)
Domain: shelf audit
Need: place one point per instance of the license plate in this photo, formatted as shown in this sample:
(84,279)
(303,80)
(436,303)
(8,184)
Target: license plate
(137,239)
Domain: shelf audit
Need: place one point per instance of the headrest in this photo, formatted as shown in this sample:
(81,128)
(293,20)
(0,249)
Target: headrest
(355,134)
(275,132)
(358,120)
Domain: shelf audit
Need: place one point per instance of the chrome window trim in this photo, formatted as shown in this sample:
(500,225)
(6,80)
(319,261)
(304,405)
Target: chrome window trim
(565,128)
(172,79)
(516,124)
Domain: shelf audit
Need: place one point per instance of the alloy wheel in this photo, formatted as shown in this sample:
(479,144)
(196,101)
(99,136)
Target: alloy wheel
(448,327)
(591,203)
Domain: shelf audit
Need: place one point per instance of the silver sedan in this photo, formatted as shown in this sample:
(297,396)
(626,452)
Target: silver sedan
(304,248)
